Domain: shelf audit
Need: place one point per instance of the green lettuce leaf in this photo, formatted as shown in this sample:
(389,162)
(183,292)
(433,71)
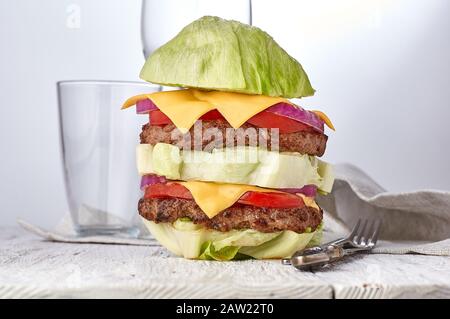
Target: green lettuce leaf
(217,54)
(209,252)
(238,165)
(246,237)
(316,240)
(184,238)
(282,246)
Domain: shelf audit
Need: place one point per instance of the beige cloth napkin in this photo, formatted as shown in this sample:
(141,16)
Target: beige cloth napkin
(414,222)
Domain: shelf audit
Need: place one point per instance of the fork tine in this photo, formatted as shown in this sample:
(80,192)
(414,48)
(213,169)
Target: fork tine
(355,229)
(369,231)
(374,238)
(348,238)
(360,235)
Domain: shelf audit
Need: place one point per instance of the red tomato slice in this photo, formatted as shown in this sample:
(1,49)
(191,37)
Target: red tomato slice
(263,119)
(272,200)
(212,115)
(167,190)
(272,120)
(259,199)
(159,118)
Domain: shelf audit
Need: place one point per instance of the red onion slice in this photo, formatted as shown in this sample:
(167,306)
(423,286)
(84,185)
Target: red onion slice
(298,114)
(307,190)
(152,179)
(145,106)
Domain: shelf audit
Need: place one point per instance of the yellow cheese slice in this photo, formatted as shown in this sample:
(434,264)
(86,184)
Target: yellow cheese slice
(309,201)
(237,108)
(133,100)
(326,119)
(184,107)
(213,198)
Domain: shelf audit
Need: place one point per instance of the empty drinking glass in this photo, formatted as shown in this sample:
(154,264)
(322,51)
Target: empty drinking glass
(98,146)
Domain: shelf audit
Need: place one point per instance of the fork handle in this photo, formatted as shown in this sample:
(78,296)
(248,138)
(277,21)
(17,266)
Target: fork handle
(325,256)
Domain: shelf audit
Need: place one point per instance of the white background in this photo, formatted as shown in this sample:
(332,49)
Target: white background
(381,70)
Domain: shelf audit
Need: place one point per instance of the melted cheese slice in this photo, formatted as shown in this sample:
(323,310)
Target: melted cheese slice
(326,119)
(185,107)
(213,198)
(309,201)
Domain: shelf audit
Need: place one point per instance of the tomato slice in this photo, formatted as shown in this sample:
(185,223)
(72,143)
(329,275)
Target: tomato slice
(272,200)
(167,190)
(159,118)
(259,199)
(212,115)
(263,119)
(272,120)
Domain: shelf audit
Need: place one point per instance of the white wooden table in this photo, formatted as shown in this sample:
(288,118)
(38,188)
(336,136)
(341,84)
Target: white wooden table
(30,267)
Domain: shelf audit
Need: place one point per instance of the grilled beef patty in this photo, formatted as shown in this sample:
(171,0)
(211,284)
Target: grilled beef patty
(266,220)
(305,142)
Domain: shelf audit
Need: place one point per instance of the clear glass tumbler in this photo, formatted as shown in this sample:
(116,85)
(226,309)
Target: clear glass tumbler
(98,147)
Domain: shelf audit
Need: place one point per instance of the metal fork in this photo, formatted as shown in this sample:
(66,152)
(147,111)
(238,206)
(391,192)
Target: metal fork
(361,238)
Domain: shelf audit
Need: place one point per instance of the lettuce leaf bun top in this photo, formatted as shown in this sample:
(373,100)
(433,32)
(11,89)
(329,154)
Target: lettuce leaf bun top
(216,54)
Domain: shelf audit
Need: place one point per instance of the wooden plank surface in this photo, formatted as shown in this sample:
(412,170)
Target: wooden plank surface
(30,267)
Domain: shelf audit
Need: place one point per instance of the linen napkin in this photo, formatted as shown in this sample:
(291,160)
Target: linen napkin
(413,222)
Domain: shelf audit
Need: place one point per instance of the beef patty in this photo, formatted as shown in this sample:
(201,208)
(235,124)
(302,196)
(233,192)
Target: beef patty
(305,142)
(267,220)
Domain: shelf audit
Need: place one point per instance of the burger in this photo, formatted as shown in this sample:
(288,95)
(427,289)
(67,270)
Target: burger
(230,165)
